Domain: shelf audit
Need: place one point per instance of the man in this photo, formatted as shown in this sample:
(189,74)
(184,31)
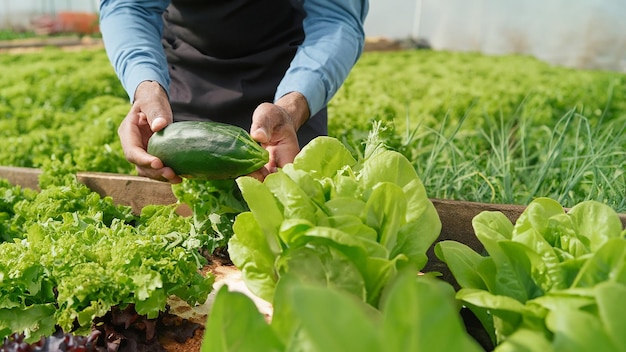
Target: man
(268,66)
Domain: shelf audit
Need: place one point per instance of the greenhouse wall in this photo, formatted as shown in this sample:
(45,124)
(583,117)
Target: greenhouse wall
(575,33)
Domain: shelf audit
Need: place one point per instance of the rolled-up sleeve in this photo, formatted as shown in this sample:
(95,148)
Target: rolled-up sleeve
(131,31)
(334,40)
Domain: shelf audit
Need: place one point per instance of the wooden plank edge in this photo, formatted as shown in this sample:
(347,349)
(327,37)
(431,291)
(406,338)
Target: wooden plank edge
(128,190)
(133,191)
(24,177)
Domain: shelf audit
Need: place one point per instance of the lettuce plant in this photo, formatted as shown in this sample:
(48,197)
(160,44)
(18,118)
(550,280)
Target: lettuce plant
(331,219)
(416,314)
(554,280)
(76,255)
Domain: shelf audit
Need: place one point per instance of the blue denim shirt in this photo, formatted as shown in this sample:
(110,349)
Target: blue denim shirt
(334,40)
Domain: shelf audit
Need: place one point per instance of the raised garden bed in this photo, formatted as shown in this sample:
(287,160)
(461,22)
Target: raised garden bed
(137,192)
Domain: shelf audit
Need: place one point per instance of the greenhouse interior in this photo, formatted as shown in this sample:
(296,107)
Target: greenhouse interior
(346,175)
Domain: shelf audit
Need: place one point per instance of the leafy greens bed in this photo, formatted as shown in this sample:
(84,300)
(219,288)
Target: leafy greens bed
(498,129)
(347,233)
(494,129)
(342,224)
(71,256)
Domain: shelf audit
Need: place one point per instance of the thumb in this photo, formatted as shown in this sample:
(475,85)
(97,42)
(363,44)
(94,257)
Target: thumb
(260,134)
(158,123)
(152,100)
(263,123)
(158,113)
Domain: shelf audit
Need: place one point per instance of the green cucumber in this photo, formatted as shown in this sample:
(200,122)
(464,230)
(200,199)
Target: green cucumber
(207,150)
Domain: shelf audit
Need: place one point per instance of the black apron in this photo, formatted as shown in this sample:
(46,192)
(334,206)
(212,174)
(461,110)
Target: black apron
(228,56)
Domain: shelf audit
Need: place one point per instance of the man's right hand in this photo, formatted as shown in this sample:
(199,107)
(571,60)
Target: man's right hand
(150,113)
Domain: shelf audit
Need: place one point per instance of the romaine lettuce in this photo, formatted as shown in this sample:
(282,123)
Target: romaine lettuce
(334,220)
(553,278)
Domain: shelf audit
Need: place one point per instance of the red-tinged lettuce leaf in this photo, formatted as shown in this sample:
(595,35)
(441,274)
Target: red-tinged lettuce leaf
(421,314)
(235,324)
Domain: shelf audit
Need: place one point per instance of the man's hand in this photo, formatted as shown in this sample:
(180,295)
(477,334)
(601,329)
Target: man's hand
(275,126)
(150,113)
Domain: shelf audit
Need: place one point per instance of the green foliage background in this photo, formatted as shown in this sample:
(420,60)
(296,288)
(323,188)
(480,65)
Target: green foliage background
(502,129)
